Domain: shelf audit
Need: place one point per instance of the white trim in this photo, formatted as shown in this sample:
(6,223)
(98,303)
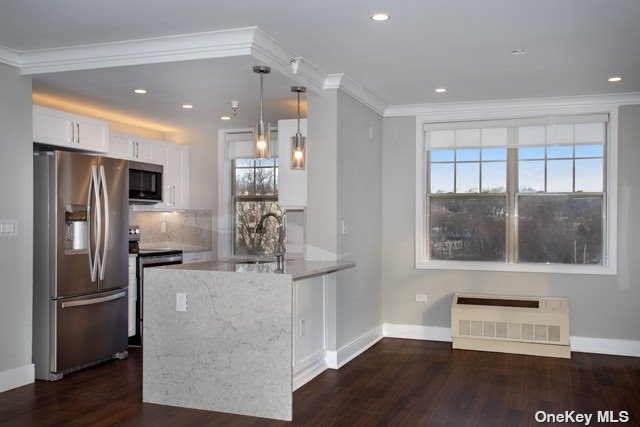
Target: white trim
(348,352)
(308,373)
(214,44)
(517,109)
(605,346)
(356,90)
(417,332)
(278,56)
(10,56)
(17,377)
(614,347)
(504,108)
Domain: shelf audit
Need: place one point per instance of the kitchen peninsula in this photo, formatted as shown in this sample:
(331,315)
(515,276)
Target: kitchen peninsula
(218,335)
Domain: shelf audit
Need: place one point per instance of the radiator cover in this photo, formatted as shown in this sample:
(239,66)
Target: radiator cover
(511,324)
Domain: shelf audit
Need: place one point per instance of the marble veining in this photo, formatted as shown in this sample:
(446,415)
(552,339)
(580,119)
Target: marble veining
(192,227)
(230,351)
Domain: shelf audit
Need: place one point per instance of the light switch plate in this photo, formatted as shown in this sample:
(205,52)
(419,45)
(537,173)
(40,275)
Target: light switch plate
(181,302)
(8,227)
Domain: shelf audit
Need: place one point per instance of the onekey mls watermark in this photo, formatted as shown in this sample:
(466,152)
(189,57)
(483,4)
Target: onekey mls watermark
(585,418)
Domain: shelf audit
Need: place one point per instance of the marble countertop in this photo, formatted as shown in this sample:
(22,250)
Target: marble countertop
(297,267)
(174,246)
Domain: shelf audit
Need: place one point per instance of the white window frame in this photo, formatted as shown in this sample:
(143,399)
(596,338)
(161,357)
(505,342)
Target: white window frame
(517,110)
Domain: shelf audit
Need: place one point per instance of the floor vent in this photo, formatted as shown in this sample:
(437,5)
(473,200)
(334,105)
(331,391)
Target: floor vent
(509,324)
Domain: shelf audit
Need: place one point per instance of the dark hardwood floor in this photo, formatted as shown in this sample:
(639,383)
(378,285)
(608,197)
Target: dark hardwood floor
(395,383)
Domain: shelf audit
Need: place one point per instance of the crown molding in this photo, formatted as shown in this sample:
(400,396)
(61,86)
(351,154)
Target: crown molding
(9,56)
(278,56)
(501,106)
(356,90)
(214,44)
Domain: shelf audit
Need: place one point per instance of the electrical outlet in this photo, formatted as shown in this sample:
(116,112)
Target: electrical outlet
(345,227)
(303,327)
(163,227)
(421,298)
(181,302)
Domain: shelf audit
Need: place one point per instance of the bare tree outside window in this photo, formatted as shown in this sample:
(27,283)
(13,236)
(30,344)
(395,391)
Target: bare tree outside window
(255,193)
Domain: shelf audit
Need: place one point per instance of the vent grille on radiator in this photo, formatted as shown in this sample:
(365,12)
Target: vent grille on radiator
(511,324)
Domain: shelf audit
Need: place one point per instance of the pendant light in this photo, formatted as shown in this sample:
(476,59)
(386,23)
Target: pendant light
(261,131)
(298,141)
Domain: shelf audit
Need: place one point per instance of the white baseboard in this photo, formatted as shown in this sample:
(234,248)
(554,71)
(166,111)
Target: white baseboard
(17,377)
(605,346)
(346,353)
(579,344)
(417,332)
(305,375)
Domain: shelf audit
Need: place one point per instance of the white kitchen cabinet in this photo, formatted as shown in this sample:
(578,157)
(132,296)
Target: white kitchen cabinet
(69,130)
(292,183)
(174,159)
(176,177)
(133,297)
(129,147)
(308,323)
(191,257)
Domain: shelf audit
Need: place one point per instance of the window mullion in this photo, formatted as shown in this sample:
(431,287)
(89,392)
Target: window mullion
(512,188)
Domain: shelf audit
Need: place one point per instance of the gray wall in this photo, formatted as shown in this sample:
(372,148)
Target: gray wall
(601,306)
(344,178)
(16,193)
(359,289)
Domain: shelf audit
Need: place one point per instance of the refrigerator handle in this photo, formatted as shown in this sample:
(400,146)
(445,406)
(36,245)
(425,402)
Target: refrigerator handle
(96,255)
(107,228)
(93,301)
(89,223)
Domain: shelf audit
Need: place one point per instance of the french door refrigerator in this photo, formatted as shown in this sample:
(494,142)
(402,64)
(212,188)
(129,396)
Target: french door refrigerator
(80,261)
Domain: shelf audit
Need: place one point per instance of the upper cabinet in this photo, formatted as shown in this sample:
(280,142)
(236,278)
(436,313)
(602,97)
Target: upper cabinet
(129,147)
(174,159)
(69,130)
(292,183)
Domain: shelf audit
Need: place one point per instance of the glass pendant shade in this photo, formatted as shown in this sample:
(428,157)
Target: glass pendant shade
(298,152)
(261,131)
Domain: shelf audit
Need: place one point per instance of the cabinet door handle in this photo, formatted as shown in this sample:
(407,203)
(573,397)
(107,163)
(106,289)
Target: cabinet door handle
(73,132)
(174,195)
(78,133)
(137,150)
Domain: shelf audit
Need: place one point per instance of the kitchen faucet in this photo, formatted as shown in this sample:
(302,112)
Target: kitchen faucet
(279,249)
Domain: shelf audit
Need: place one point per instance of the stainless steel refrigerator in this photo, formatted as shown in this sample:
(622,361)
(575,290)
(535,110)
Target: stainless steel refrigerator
(80,261)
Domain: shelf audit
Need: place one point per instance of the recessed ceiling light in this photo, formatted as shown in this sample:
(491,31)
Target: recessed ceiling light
(380,17)
(441,90)
(187,106)
(614,79)
(517,52)
(225,118)
(140,91)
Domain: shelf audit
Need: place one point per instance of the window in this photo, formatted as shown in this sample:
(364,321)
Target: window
(524,192)
(254,193)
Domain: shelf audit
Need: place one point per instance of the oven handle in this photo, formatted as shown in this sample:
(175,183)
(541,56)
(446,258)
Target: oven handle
(146,261)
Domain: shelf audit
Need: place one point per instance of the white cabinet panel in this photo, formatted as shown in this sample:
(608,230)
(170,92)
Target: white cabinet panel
(176,176)
(133,285)
(292,183)
(69,130)
(308,322)
(130,147)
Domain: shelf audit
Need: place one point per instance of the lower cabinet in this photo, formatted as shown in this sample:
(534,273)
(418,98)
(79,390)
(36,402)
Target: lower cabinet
(133,284)
(308,324)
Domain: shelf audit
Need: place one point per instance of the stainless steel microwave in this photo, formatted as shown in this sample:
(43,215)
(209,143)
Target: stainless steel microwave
(145,183)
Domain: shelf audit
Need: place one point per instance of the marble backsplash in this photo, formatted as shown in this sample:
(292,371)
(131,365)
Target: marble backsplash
(192,227)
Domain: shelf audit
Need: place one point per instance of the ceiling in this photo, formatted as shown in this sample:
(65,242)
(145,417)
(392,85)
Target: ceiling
(570,48)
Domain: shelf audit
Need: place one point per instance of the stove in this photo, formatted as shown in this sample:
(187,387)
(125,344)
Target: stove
(146,258)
